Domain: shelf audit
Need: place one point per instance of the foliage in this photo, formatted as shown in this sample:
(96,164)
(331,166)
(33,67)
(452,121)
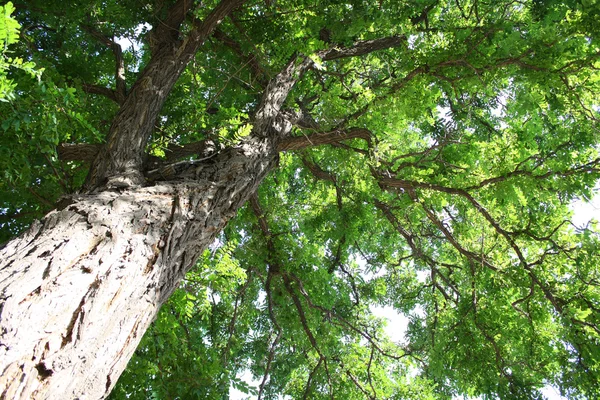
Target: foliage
(457,213)
(9,34)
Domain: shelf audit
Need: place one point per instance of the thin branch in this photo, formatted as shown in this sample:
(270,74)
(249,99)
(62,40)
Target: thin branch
(40,198)
(357,383)
(369,372)
(310,378)
(296,300)
(319,173)
(275,268)
(261,76)
(121,92)
(269,362)
(239,299)
(102,91)
(4,218)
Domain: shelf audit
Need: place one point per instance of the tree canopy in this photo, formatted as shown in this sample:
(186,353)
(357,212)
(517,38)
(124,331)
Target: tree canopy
(436,151)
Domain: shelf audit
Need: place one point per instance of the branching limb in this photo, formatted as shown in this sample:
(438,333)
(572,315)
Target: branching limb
(280,86)
(120,161)
(103,91)
(260,75)
(120,93)
(340,321)
(410,186)
(418,253)
(356,382)
(277,91)
(202,29)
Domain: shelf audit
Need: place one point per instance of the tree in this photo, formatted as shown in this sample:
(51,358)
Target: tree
(338,156)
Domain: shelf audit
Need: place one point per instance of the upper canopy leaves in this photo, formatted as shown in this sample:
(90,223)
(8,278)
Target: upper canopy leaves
(478,129)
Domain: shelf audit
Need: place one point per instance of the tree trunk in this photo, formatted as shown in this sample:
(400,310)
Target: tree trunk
(79,289)
(120,160)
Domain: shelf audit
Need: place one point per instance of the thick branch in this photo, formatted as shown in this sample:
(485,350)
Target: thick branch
(87,152)
(280,86)
(319,173)
(276,93)
(167,30)
(362,47)
(77,152)
(102,91)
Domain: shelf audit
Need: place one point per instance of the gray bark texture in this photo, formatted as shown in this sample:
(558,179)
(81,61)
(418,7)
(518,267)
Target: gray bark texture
(120,160)
(79,289)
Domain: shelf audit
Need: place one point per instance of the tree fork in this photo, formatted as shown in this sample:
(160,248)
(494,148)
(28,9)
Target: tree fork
(119,162)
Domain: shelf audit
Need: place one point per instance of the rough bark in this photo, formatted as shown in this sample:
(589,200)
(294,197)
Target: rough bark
(119,162)
(79,289)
